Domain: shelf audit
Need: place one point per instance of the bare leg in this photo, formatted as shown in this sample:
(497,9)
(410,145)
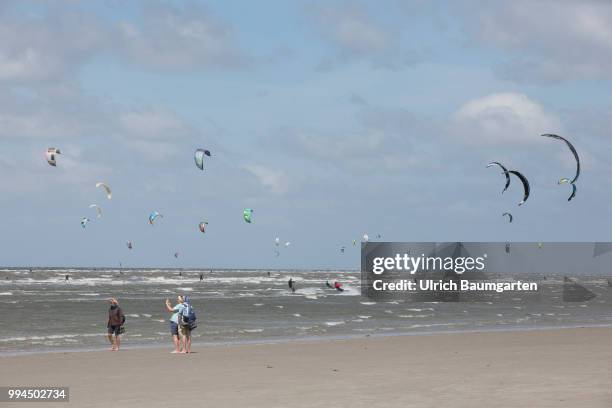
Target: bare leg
(183,342)
(117,342)
(175,339)
(110,340)
(188,343)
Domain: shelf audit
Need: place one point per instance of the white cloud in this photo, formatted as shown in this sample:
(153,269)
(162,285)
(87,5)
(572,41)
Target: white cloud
(44,49)
(274,180)
(384,141)
(54,44)
(53,112)
(546,40)
(181,39)
(503,119)
(153,125)
(356,35)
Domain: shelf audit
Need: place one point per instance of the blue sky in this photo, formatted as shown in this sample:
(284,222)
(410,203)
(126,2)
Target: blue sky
(330,119)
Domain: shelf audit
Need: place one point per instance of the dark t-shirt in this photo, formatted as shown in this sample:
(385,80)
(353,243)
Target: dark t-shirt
(115,316)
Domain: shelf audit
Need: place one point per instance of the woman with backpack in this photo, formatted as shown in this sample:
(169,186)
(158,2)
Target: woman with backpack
(187,322)
(116,319)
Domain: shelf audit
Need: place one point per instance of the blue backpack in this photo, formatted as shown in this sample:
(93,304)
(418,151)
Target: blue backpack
(188,316)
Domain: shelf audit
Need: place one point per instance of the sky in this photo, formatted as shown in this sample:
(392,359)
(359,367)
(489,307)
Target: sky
(330,119)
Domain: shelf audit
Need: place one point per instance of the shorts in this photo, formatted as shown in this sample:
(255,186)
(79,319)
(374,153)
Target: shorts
(173,329)
(184,331)
(114,330)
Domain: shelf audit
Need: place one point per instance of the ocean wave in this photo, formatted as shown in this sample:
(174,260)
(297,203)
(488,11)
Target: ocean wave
(49,337)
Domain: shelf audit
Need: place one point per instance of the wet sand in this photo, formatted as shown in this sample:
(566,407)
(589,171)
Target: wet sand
(545,368)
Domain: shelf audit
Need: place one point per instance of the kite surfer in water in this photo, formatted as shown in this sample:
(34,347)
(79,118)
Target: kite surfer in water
(291,285)
(328,285)
(338,286)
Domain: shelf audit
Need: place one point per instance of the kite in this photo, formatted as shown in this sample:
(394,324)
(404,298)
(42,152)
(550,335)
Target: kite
(98,209)
(199,157)
(506,173)
(525,185)
(51,153)
(248,215)
(106,188)
(510,217)
(574,152)
(202,226)
(153,216)
(84,221)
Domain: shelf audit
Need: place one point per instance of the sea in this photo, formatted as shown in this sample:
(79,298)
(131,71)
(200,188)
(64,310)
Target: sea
(42,311)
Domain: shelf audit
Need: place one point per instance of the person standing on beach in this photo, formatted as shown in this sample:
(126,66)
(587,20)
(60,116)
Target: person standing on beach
(201,276)
(187,322)
(174,321)
(116,319)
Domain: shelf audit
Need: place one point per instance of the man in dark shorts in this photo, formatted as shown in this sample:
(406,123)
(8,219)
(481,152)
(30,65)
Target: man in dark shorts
(116,319)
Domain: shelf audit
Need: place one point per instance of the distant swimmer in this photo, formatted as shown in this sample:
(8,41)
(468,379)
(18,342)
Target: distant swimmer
(328,285)
(291,285)
(181,274)
(338,286)
(268,274)
(201,276)
(67,277)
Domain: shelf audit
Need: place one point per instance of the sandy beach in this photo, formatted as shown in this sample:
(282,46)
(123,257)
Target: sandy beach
(544,368)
